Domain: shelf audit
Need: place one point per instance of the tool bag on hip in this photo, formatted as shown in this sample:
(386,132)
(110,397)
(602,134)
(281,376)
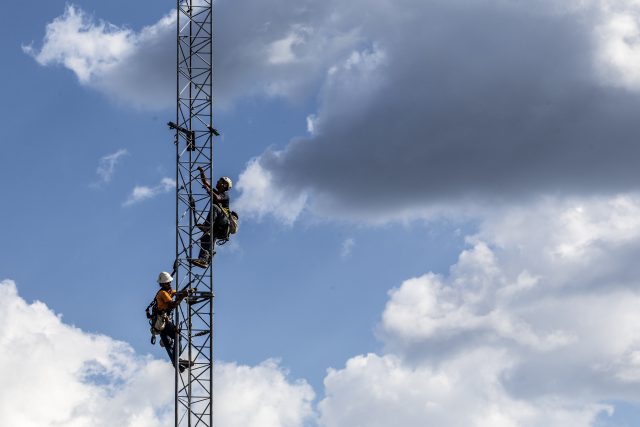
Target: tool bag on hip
(231,228)
(233,222)
(157,320)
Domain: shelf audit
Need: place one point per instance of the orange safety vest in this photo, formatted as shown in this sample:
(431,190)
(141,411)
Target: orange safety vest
(164,298)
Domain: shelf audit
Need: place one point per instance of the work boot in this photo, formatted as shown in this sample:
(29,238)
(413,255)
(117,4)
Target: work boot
(200,262)
(184,364)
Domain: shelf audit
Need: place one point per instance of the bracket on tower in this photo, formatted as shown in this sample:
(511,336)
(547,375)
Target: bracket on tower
(213,131)
(190,135)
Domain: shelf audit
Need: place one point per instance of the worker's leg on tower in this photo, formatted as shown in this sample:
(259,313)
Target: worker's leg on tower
(219,221)
(204,256)
(167,337)
(211,218)
(206,243)
(215,213)
(222,227)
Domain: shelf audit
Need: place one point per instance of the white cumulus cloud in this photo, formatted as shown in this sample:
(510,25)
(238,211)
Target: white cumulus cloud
(54,374)
(124,64)
(534,325)
(259,196)
(267,398)
(260,50)
(462,391)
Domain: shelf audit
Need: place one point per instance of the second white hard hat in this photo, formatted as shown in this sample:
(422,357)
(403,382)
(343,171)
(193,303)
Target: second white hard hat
(228,181)
(165,277)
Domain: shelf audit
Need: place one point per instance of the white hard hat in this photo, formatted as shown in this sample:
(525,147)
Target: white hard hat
(228,181)
(165,277)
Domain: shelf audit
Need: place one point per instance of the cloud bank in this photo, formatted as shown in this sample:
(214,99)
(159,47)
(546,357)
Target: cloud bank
(534,325)
(56,374)
(423,107)
(465,104)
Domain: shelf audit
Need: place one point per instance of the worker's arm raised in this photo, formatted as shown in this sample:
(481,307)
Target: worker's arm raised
(205,182)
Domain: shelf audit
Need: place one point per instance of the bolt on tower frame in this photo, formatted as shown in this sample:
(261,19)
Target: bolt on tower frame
(194,135)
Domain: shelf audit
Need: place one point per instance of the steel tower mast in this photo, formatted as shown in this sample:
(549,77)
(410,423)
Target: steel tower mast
(194,135)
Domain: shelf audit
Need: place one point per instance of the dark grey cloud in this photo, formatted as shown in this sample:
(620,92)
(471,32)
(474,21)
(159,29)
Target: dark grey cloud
(489,100)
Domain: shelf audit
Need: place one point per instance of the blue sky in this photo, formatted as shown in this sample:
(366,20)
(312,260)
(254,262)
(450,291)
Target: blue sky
(438,202)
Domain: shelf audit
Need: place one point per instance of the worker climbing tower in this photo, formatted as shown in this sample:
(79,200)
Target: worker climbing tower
(194,134)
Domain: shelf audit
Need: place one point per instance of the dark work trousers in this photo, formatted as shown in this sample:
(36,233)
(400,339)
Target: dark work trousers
(167,336)
(220,223)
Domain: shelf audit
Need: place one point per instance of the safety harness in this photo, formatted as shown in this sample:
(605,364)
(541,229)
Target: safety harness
(157,319)
(232,221)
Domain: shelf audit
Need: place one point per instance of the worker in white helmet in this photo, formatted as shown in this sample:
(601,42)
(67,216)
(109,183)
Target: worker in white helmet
(219,217)
(165,302)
